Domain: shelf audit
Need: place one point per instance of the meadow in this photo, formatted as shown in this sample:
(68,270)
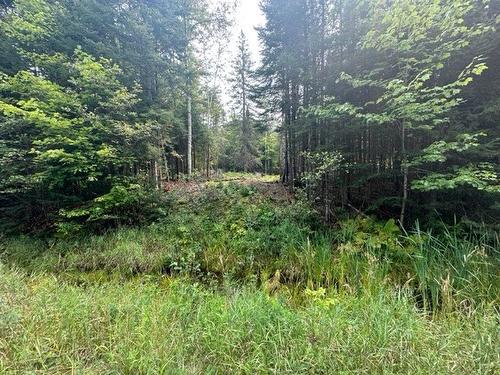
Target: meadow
(236,280)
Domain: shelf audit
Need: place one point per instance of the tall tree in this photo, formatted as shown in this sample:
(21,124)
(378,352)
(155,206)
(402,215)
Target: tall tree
(122,66)
(378,85)
(242,87)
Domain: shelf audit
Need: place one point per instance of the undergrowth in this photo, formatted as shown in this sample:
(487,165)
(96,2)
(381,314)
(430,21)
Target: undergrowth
(234,281)
(232,231)
(165,326)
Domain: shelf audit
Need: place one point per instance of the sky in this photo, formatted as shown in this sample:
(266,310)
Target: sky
(248,16)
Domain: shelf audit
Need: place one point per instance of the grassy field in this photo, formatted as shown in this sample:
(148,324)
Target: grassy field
(239,280)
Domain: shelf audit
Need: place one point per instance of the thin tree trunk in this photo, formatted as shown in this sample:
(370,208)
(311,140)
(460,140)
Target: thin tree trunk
(190,137)
(155,174)
(208,162)
(160,176)
(167,171)
(287,166)
(404,167)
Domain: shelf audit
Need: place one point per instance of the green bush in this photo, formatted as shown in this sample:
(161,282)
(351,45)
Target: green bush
(232,282)
(125,204)
(226,233)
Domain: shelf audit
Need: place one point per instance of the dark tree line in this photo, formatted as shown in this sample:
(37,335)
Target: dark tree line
(387,107)
(384,107)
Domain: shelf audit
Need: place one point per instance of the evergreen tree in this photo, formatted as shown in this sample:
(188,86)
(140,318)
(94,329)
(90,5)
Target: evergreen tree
(242,90)
(369,96)
(122,67)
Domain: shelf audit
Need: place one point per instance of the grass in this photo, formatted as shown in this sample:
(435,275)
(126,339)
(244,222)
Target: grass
(250,176)
(161,325)
(234,281)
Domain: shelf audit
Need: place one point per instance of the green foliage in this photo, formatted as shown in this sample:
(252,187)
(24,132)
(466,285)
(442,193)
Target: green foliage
(59,145)
(85,106)
(481,177)
(33,22)
(412,100)
(322,163)
(268,146)
(233,231)
(124,205)
(437,151)
(405,91)
(376,99)
(234,281)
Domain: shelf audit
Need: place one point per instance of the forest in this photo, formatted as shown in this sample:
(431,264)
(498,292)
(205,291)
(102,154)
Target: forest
(186,190)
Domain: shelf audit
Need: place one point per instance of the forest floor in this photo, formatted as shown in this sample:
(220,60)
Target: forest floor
(240,279)
(266,186)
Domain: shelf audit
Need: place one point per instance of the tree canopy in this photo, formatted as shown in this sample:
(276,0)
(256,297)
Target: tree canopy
(389,91)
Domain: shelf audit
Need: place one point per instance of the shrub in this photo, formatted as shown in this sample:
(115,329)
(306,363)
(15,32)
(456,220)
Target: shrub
(126,204)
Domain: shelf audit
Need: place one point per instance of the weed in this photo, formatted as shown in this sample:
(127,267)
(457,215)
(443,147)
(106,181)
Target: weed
(233,281)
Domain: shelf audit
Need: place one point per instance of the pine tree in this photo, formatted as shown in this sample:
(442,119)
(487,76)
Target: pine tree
(242,89)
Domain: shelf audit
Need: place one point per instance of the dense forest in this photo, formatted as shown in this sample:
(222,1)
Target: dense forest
(174,201)
(386,109)
(388,106)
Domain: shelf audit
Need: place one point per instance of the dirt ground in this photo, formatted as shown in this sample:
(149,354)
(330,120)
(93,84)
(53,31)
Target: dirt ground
(266,186)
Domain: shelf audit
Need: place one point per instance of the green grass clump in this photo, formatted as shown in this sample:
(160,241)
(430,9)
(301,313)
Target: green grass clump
(159,325)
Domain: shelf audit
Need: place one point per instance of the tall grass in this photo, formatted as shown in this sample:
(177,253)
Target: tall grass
(235,282)
(455,271)
(157,325)
(233,232)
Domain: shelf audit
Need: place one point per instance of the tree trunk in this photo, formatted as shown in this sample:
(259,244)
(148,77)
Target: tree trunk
(404,167)
(190,137)
(167,171)
(208,162)
(155,175)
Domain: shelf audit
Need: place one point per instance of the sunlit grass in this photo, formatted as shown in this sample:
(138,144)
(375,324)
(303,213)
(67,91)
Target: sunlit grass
(241,176)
